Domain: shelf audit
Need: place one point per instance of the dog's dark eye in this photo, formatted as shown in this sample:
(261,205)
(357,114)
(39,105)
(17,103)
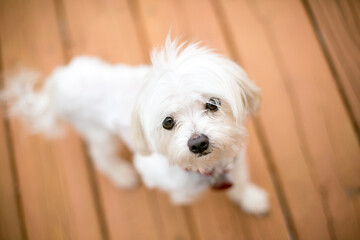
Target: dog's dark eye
(168,123)
(213,104)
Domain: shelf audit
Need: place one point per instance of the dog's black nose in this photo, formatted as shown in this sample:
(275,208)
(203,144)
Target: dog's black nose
(198,143)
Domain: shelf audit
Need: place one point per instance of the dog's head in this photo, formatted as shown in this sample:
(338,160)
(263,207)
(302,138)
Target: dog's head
(193,107)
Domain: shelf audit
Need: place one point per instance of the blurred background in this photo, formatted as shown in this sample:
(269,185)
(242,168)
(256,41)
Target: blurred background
(303,147)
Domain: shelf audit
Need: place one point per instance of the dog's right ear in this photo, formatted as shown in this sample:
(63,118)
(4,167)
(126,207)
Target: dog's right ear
(137,133)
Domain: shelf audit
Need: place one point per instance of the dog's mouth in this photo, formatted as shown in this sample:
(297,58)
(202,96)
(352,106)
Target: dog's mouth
(203,154)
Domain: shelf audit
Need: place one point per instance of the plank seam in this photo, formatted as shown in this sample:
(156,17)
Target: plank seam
(139,27)
(326,52)
(65,38)
(275,178)
(96,194)
(140,32)
(145,47)
(13,166)
(63,29)
(190,223)
(299,130)
(220,14)
(350,34)
(155,212)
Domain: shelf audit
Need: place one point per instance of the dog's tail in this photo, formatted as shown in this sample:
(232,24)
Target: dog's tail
(35,108)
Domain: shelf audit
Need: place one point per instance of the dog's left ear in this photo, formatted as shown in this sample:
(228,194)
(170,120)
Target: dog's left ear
(137,132)
(245,95)
(250,95)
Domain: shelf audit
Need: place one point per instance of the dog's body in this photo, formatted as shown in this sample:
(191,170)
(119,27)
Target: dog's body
(185,115)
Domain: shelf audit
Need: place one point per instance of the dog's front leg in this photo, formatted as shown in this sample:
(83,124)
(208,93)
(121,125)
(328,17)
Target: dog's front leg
(103,150)
(251,198)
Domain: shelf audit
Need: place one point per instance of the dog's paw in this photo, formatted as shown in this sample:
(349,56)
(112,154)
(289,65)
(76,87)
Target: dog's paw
(251,199)
(123,176)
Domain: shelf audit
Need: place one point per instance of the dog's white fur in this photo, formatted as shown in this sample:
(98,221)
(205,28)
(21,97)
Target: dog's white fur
(103,101)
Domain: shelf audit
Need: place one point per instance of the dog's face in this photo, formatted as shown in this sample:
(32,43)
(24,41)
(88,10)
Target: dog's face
(192,108)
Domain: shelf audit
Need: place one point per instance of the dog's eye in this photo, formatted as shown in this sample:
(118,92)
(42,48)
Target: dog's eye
(213,104)
(168,123)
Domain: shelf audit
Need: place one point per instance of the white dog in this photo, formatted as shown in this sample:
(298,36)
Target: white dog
(184,113)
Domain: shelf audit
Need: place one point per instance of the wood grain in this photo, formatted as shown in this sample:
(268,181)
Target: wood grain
(141,213)
(298,115)
(53,180)
(338,31)
(214,216)
(303,147)
(11,226)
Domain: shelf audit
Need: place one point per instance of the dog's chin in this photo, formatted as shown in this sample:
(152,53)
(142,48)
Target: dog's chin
(205,163)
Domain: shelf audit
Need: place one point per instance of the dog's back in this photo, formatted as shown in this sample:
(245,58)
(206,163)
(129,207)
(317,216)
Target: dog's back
(87,91)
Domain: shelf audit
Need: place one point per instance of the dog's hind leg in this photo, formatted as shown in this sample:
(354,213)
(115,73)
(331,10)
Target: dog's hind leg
(103,148)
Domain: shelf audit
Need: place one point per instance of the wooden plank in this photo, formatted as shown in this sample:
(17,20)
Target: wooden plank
(10,220)
(174,219)
(99,28)
(337,24)
(213,217)
(160,17)
(302,129)
(53,180)
(126,212)
(206,26)
(135,214)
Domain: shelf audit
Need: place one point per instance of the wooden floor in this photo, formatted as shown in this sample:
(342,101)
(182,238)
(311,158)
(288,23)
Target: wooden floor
(303,145)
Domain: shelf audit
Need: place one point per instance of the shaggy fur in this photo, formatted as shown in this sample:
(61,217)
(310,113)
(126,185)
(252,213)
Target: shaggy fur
(103,101)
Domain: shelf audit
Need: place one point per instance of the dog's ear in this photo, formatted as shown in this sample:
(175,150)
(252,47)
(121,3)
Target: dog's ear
(250,95)
(137,133)
(244,95)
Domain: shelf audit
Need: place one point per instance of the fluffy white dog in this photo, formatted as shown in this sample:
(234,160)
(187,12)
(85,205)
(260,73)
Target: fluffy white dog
(184,113)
